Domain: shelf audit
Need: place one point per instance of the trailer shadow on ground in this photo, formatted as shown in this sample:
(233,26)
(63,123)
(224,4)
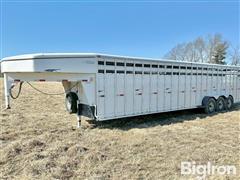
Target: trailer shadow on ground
(162,119)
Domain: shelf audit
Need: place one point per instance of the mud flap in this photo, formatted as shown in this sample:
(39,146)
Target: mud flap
(87,111)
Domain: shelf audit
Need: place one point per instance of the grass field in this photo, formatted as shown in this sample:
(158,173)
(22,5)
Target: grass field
(39,141)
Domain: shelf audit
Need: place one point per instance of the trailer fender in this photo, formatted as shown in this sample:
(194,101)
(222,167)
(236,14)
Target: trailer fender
(205,100)
(87,111)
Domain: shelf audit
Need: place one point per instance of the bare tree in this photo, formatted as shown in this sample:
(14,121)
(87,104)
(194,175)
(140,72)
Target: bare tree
(177,53)
(181,52)
(200,46)
(235,55)
(200,50)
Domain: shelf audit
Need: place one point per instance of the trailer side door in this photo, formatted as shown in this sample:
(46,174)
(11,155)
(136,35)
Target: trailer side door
(101,94)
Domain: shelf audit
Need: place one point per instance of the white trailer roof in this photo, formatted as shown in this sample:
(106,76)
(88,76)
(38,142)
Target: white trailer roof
(72,55)
(91,55)
(49,55)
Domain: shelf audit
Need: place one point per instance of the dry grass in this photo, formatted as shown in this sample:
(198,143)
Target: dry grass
(39,140)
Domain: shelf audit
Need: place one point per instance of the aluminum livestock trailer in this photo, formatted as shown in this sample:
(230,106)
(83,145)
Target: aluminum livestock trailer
(104,87)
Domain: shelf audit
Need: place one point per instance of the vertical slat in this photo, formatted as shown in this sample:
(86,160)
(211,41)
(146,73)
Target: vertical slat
(115,88)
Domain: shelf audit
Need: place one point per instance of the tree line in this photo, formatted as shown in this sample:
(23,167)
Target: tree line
(210,49)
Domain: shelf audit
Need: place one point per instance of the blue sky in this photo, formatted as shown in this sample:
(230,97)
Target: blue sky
(147,29)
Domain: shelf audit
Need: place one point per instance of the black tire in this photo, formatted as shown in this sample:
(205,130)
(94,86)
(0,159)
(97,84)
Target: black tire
(229,102)
(221,104)
(210,106)
(71,102)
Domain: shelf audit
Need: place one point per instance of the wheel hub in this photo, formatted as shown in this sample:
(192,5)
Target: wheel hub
(220,105)
(211,106)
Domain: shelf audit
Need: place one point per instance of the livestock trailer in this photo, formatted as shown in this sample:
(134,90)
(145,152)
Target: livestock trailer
(104,87)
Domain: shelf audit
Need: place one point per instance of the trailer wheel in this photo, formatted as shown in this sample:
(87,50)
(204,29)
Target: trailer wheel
(210,106)
(221,104)
(71,102)
(229,102)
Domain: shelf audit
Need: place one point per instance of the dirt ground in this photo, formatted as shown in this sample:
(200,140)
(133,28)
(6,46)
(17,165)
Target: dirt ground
(39,140)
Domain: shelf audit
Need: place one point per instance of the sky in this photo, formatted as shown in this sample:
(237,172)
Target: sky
(144,29)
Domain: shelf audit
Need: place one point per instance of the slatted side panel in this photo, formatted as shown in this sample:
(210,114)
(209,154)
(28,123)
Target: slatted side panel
(137,94)
(235,86)
(101,94)
(182,87)
(146,91)
(175,89)
(120,93)
(188,87)
(128,87)
(168,88)
(161,89)
(154,92)
(224,82)
(199,85)
(129,91)
(238,86)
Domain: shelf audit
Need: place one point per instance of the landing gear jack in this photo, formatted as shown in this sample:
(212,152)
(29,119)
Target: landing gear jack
(79,119)
(79,115)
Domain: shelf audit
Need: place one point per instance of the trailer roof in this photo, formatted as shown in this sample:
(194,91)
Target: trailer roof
(92,55)
(49,55)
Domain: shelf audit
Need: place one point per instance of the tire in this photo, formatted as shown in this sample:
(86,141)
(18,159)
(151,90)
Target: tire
(229,102)
(210,106)
(221,104)
(71,102)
